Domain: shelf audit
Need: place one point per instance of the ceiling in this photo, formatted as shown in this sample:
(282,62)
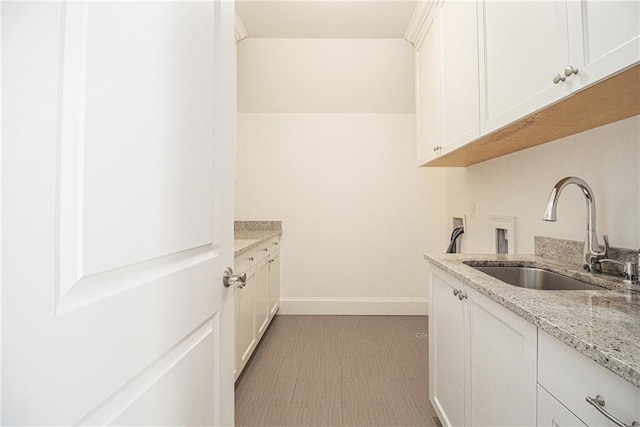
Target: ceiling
(339,19)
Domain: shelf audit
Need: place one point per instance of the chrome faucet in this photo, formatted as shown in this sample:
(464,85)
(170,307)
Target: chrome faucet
(591,252)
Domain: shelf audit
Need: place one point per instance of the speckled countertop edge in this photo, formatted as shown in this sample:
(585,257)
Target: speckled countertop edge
(249,234)
(603,325)
(257,238)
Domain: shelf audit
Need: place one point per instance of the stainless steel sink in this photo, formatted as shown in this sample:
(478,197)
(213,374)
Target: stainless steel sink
(536,278)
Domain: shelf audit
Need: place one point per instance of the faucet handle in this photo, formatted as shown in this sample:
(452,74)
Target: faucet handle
(605,254)
(630,271)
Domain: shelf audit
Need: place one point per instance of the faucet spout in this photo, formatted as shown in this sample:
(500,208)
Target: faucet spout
(592,253)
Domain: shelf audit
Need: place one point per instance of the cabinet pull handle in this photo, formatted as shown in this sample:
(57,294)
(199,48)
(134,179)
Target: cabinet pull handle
(570,70)
(456,292)
(462,296)
(558,78)
(250,258)
(598,403)
(265,250)
(275,243)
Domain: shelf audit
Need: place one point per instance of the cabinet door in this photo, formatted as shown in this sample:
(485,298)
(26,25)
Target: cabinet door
(274,283)
(448,350)
(552,413)
(503,365)
(429,91)
(262,297)
(604,38)
(245,320)
(523,44)
(460,92)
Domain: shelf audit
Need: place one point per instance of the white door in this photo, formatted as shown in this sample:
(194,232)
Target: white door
(117,123)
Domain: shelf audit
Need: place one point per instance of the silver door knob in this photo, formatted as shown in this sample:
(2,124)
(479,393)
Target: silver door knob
(230,279)
(558,78)
(569,71)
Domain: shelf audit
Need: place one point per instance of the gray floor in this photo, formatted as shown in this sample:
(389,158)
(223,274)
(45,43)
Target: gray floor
(338,371)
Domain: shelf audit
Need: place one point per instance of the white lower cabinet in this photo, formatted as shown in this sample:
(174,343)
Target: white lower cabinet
(262,303)
(490,367)
(571,377)
(246,338)
(448,351)
(482,369)
(274,282)
(258,300)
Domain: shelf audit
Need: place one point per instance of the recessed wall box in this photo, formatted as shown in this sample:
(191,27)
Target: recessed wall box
(503,232)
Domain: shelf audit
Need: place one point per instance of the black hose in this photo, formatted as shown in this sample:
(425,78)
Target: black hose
(452,249)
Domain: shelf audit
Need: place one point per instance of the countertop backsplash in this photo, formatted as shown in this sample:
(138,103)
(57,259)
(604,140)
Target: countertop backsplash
(570,252)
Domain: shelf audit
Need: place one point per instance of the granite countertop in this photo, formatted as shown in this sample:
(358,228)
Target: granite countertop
(248,234)
(604,325)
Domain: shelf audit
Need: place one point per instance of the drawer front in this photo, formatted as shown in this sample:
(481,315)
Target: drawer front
(570,377)
(551,413)
(245,261)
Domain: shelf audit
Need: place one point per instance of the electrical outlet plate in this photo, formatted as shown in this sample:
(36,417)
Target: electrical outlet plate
(507,223)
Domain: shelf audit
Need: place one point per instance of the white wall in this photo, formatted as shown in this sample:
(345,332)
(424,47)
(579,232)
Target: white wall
(325,76)
(608,158)
(326,143)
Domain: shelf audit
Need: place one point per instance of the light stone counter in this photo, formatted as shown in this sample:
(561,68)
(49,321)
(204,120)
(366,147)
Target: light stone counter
(249,234)
(604,325)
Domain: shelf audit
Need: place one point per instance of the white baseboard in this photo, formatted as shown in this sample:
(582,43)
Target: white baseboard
(355,306)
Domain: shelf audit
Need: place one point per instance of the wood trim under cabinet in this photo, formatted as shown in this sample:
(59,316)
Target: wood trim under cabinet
(613,99)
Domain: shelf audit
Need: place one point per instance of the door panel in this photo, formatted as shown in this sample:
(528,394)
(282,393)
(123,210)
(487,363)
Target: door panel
(604,38)
(531,36)
(503,365)
(448,352)
(117,192)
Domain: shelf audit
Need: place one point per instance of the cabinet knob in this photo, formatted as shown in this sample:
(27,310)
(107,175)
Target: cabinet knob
(462,295)
(265,250)
(569,71)
(456,292)
(558,78)
(437,148)
(275,243)
(250,258)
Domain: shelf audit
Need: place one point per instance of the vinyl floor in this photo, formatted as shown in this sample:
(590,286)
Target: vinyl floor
(338,371)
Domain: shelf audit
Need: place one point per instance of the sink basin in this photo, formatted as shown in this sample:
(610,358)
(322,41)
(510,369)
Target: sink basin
(536,278)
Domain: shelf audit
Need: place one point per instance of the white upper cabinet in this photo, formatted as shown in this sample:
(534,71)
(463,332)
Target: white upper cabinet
(447,79)
(523,46)
(460,95)
(604,37)
(483,66)
(428,88)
